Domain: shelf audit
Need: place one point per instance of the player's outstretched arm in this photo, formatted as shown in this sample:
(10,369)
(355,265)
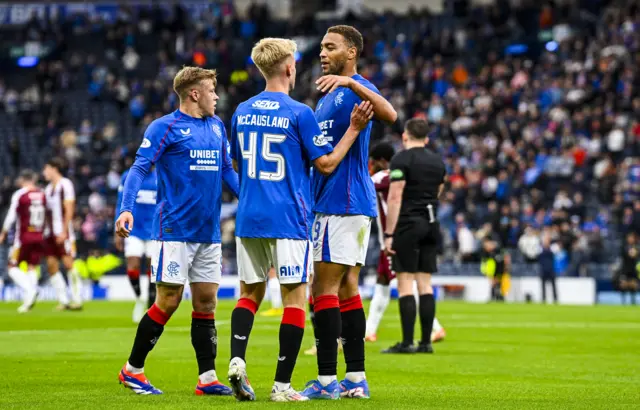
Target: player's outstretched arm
(382,109)
(360,117)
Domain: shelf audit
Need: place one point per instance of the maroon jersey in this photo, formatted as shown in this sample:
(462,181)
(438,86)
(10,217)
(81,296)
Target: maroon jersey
(381,182)
(27,212)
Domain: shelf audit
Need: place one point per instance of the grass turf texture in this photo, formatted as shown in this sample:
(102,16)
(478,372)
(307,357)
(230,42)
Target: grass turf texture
(495,356)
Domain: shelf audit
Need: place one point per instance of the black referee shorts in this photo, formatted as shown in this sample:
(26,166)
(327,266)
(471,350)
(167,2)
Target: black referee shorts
(416,245)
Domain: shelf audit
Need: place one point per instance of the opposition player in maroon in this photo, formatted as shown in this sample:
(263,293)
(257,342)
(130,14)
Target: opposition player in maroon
(379,161)
(27,213)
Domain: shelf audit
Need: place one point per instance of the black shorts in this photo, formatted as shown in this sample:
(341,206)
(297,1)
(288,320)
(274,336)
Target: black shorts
(416,245)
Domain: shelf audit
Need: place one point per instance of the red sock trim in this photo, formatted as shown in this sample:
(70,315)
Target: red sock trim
(158,315)
(324,302)
(248,304)
(353,303)
(133,273)
(294,316)
(310,300)
(202,315)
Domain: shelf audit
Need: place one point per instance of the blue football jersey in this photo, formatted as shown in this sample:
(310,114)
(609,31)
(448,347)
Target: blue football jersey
(274,140)
(349,189)
(191,155)
(145,205)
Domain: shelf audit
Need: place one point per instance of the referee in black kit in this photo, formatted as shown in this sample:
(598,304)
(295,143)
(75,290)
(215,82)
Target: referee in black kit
(417,179)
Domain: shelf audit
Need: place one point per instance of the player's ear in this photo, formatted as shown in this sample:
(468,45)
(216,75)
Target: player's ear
(352,52)
(195,94)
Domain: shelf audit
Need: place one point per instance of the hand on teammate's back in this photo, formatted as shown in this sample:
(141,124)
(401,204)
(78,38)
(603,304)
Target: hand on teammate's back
(124,224)
(361,115)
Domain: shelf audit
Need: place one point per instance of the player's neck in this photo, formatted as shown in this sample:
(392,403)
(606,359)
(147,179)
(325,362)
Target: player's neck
(275,86)
(414,144)
(349,71)
(190,110)
(56,179)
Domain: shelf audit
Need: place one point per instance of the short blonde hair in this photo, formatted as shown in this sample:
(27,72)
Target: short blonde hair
(268,53)
(187,77)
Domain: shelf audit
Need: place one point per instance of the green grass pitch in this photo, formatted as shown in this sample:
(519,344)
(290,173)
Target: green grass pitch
(495,356)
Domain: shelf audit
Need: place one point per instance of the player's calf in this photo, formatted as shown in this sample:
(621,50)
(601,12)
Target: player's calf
(291,334)
(204,339)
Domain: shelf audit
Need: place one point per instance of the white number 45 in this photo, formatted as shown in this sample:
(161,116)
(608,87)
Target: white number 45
(250,155)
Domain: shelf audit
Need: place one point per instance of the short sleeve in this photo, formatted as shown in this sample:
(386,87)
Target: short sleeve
(233,150)
(399,169)
(155,141)
(68,192)
(313,140)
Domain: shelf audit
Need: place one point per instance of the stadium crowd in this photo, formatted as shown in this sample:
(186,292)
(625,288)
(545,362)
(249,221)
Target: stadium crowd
(541,136)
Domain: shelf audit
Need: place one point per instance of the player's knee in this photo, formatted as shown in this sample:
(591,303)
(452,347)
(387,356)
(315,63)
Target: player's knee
(168,298)
(294,295)
(405,284)
(204,301)
(52,265)
(133,264)
(253,291)
(424,283)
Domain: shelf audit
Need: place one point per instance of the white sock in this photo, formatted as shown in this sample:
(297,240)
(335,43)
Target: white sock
(133,370)
(281,386)
(326,380)
(436,325)
(75,283)
(57,281)
(379,303)
(208,377)
(355,377)
(33,278)
(274,293)
(20,279)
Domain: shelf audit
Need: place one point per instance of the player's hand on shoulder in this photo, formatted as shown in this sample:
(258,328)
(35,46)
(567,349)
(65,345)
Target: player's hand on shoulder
(328,83)
(361,115)
(124,224)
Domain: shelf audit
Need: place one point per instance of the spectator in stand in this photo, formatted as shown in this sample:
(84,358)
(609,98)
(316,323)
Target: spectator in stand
(530,245)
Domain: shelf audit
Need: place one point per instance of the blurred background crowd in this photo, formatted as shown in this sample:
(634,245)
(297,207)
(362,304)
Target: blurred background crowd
(535,107)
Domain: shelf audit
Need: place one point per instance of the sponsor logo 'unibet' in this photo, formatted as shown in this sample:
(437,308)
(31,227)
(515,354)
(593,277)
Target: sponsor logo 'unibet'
(204,153)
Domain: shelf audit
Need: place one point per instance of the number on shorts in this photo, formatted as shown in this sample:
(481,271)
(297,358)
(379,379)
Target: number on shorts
(250,154)
(432,217)
(316,231)
(36,216)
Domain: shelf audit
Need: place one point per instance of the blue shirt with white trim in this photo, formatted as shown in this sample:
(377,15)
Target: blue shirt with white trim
(274,140)
(192,159)
(349,189)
